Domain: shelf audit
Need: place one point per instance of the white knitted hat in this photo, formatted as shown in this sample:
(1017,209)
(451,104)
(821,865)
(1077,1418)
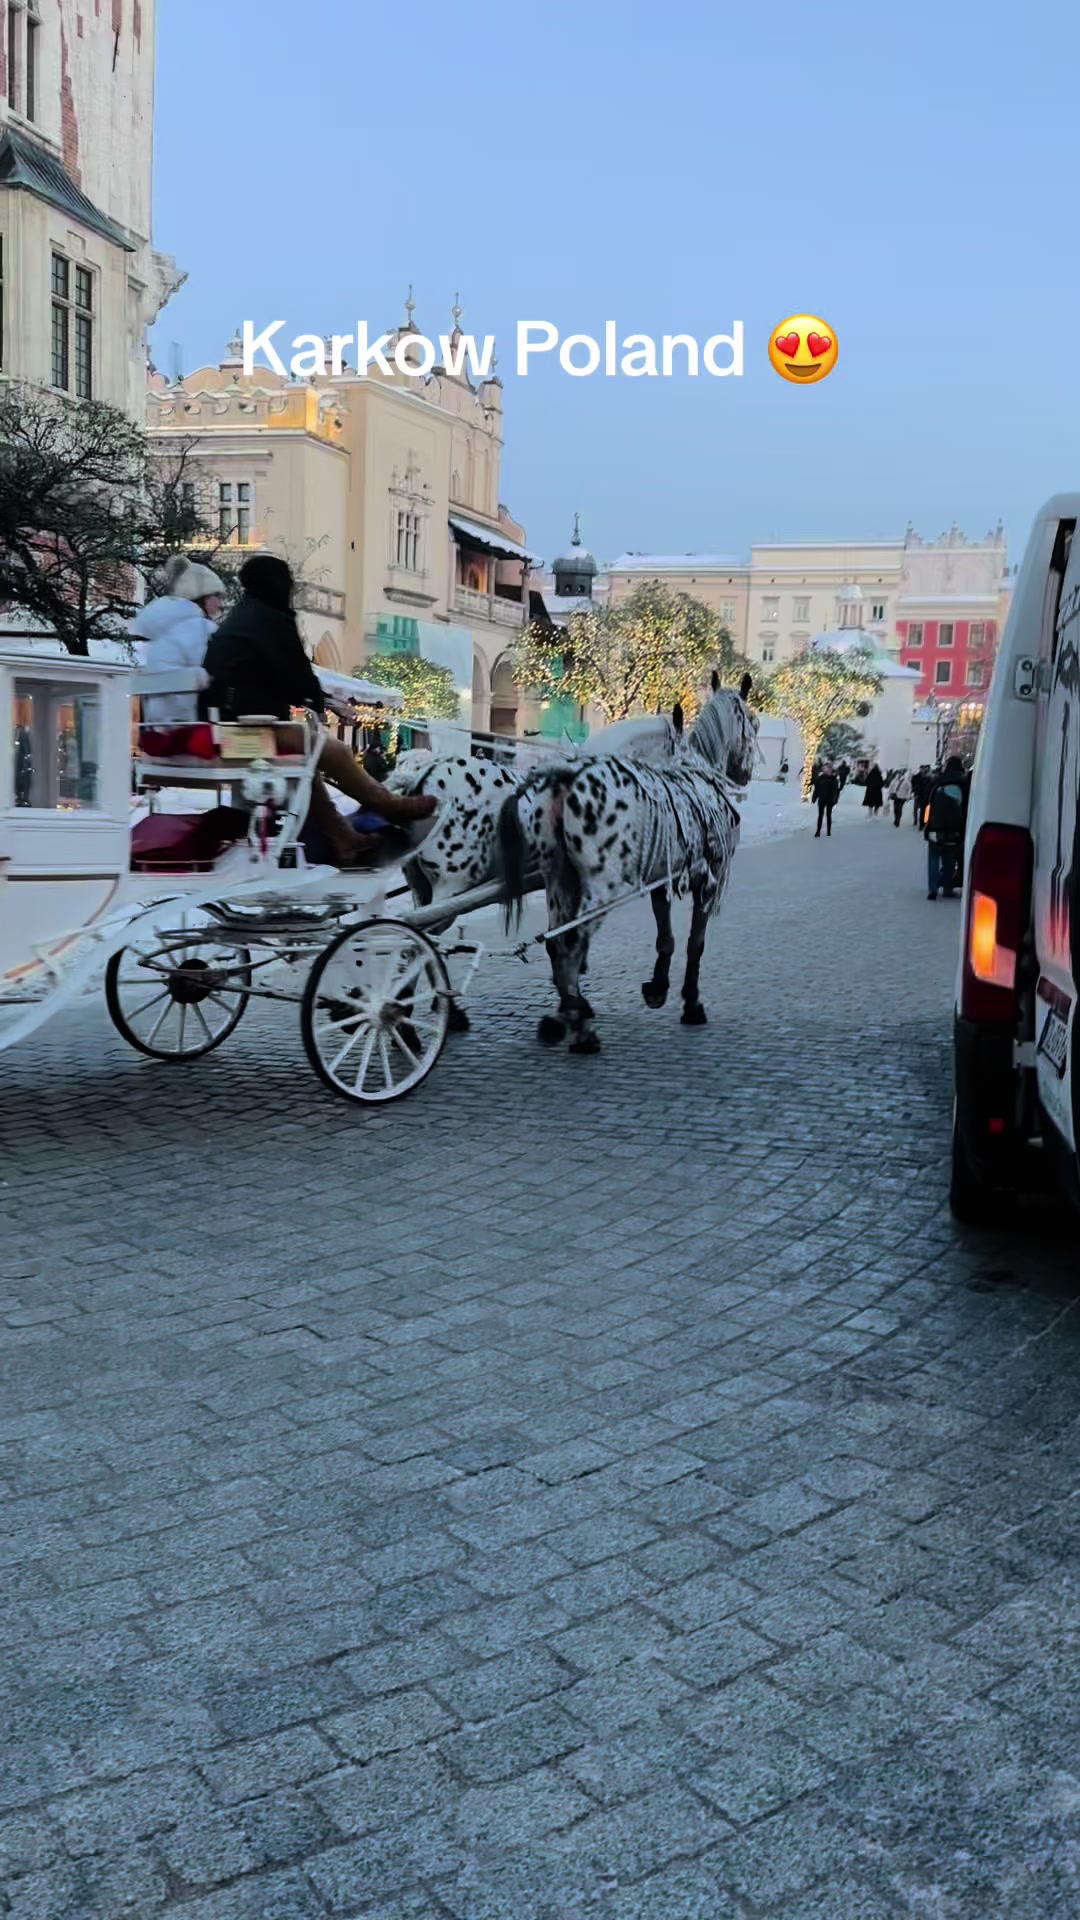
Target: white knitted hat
(188,580)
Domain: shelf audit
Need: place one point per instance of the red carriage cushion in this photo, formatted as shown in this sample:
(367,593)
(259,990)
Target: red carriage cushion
(185,842)
(192,741)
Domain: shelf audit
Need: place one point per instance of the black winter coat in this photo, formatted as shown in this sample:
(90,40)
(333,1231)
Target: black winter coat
(257,664)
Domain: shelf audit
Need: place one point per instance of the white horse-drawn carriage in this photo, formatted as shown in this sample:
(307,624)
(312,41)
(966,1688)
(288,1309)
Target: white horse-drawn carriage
(186,917)
(189,916)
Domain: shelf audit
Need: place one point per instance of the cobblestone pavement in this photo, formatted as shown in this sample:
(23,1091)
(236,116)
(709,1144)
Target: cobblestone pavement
(600,1487)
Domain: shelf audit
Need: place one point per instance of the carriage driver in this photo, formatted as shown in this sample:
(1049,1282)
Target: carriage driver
(256,664)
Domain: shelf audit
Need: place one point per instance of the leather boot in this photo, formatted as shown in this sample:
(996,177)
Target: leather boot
(401,809)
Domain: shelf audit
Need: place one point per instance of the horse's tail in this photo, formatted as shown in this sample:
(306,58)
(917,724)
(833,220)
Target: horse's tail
(513,867)
(518,854)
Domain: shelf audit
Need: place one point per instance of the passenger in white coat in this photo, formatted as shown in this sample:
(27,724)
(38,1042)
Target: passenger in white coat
(175,630)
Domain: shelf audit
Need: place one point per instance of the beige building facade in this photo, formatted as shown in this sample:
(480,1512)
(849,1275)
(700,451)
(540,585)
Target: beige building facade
(791,591)
(383,494)
(80,282)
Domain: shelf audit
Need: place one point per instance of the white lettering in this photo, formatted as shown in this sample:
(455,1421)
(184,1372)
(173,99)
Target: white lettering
(456,352)
(525,346)
(734,340)
(365,354)
(309,357)
(263,344)
(673,340)
(610,366)
(639,347)
(424,348)
(592,349)
(337,348)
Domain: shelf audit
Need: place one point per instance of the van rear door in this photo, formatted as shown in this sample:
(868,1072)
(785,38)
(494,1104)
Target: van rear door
(1056,830)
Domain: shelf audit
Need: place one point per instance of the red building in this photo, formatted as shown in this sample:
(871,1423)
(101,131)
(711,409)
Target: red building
(954,658)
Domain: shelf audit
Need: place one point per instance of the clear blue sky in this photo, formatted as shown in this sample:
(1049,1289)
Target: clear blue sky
(907,173)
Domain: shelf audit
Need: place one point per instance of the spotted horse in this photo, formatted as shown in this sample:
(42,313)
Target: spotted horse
(614,827)
(461,850)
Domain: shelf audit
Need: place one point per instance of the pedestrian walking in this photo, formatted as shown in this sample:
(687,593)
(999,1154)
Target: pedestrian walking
(900,794)
(843,774)
(875,790)
(946,819)
(826,793)
(921,783)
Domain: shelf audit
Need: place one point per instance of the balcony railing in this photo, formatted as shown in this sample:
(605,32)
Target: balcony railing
(490,607)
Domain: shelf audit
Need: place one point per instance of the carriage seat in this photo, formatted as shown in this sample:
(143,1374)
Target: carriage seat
(185,842)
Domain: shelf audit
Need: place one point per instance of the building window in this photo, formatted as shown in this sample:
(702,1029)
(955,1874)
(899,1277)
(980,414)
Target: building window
(57,747)
(225,510)
(977,638)
(61,322)
(84,333)
(13,56)
(768,651)
(770,607)
(877,610)
(975,673)
(30,76)
(407,546)
(945,634)
(802,609)
(914,634)
(944,673)
(243,511)
(727,610)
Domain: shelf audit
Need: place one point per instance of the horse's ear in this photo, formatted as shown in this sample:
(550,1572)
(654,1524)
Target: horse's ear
(715,681)
(746,684)
(677,718)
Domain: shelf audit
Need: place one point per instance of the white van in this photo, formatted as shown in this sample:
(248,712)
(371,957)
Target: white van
(1017,1049)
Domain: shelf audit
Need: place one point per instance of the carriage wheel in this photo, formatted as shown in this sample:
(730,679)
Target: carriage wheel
(178,1002)
(375,1011)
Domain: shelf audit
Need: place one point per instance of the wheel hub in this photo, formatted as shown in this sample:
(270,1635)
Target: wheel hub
(193,982)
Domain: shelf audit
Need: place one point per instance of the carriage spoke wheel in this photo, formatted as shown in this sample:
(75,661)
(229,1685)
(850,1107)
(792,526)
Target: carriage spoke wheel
(376,1011)
(179,1001)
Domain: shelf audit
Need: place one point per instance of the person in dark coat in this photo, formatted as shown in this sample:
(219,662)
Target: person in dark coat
(875,790)
(826,793)
(921,783)
(257,666)
(946,825)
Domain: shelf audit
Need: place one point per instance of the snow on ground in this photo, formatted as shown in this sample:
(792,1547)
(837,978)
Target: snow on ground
(771,809)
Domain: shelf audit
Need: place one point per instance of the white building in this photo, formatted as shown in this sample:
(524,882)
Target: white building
(80,282)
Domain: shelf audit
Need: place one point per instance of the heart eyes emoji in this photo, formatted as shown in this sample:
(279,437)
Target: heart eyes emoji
(803,349)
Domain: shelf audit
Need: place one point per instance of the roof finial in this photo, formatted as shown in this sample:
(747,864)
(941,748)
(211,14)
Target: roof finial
(410,309)
(576,541)
(455,312)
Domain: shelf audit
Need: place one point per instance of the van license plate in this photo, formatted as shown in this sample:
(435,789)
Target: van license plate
(1054,1040)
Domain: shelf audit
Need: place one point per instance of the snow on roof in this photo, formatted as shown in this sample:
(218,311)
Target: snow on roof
(673,562)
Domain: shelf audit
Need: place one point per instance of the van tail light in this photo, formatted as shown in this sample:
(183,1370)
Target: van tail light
(998,909)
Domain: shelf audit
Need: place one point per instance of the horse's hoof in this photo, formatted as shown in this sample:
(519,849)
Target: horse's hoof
(585,1043)
(458,1020)
(653,996)
(694,1016)
(551,1032)
(585,1012)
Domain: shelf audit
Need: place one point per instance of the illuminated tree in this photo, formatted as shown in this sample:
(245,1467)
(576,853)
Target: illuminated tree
(428,689)
(818,688)
(641,655)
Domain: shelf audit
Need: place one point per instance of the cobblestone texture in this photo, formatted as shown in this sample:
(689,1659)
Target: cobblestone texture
(598,1487)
